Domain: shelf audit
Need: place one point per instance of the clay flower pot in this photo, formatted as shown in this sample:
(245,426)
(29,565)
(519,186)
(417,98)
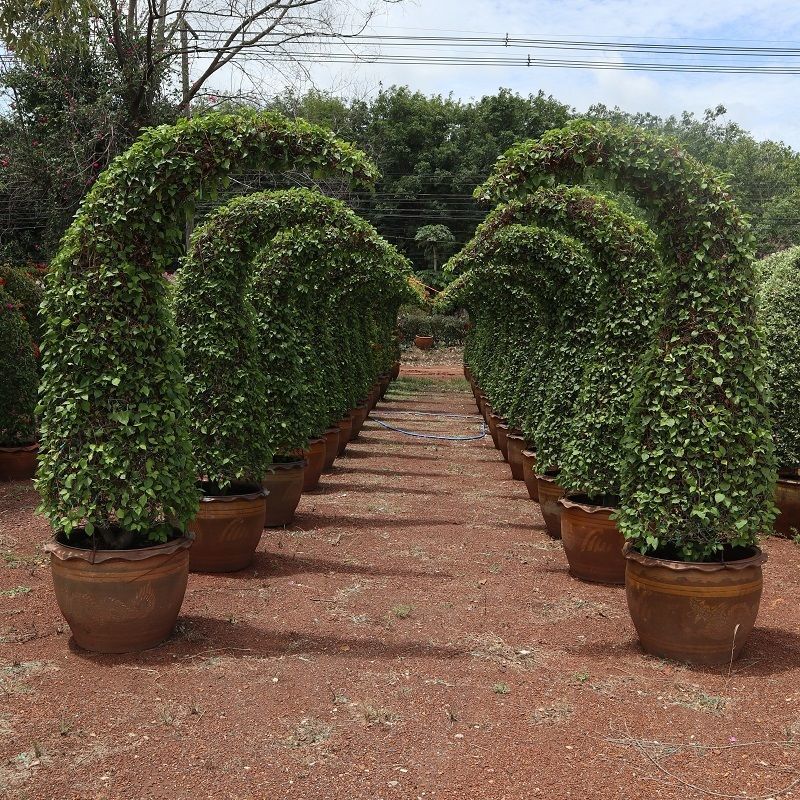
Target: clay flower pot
(423,342)
(502,439)
(285,485)
(120,601)
(529,474)
(700,613)
(359,417)
(18,463)
(395,373)
(787,498)
(592,542)
(227,530)
(385,380)
(515,445)
(331,437)
(550,492)
(494,422)
(315,456)
(345,426)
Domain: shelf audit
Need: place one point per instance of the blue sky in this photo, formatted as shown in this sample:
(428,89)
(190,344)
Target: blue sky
(766,105)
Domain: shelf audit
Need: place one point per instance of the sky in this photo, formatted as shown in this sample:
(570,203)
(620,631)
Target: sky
(764,104)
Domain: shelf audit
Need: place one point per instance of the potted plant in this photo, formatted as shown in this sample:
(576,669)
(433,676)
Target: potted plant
(698,470)
(779,317)
(116,474)
(18,386)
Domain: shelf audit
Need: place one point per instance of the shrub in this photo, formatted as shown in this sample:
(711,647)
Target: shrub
(18,379)
(699,468)
(779,316)
(22,284)
(115,445)
(447,329)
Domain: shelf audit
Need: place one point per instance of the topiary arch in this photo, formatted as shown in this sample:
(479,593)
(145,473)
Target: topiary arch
(618,297)
(699,465)
(237,328)
(115,448)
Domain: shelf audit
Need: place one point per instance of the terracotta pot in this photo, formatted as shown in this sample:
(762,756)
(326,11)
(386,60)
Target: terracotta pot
(18,463)
(592,542)
(227,530)
(359,417)
(515,446)
(529,474)
(120,601)
(331,437)
(502,439)
(484,408)
(285,485)
(467,373)
(549,495)
(423,342)
(385,381)
(345,426)
(699,613)
(787,498)
(395,374)
(315,456)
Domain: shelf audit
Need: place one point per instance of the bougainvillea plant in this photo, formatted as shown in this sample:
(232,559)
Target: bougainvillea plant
(699,467)
(251,369)
(115,446)
(620,300)
(779,316)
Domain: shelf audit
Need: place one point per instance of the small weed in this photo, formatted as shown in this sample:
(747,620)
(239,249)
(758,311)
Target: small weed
(698,700)
(403,611)
(379,716)
(552,715)
(492,648)
(309,733)
(16,591)
(501,688)
(581,677)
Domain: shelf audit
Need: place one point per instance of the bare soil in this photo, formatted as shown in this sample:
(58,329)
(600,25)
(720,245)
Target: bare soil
(414,635)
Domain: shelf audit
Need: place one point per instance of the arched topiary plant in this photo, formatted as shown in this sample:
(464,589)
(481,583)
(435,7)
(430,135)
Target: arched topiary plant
(523,290)
(779,316)
(699,464)
(620,300)
(251,373)
(18,379)
(115,447)
(24,287)
(313,289)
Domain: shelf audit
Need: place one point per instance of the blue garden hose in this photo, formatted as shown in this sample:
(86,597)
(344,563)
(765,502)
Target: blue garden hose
(419,435)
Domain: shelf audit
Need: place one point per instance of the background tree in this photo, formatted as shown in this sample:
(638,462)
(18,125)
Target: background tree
(435,239)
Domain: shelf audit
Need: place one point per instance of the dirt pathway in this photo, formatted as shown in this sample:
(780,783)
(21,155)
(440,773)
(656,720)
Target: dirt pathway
(415,635)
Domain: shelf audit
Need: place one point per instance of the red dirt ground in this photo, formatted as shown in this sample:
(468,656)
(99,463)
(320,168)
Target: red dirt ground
(414,635)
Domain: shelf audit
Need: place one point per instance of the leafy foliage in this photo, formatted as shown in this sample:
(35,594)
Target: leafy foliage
(699,468)
(23,285)
(446,329)
(18,378)
(115,443)
(779,316)
(255,343)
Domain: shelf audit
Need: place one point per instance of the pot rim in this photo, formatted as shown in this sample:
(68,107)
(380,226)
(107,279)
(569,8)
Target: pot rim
(316,440)
(287,465)
(256,494)
(570,501)
(19,448)
(789,481)
(330,430)
(529,453)
(65,552)
(789,473)
(549,475)
(516,436)
(758,558)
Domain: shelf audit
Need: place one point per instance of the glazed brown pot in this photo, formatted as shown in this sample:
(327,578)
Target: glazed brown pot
(515,445)
(227,530)
(787,498)
(395,374)
(493,420)
(359,417)
(694,612)
(467,373)
(315,458)
(550,492)
(18,463)
(385,381)
(592,542)
(331,437)
(423,342)
(285,485)
(484,408)
(529,474)
(502,439)
(345,426)
(120,601)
